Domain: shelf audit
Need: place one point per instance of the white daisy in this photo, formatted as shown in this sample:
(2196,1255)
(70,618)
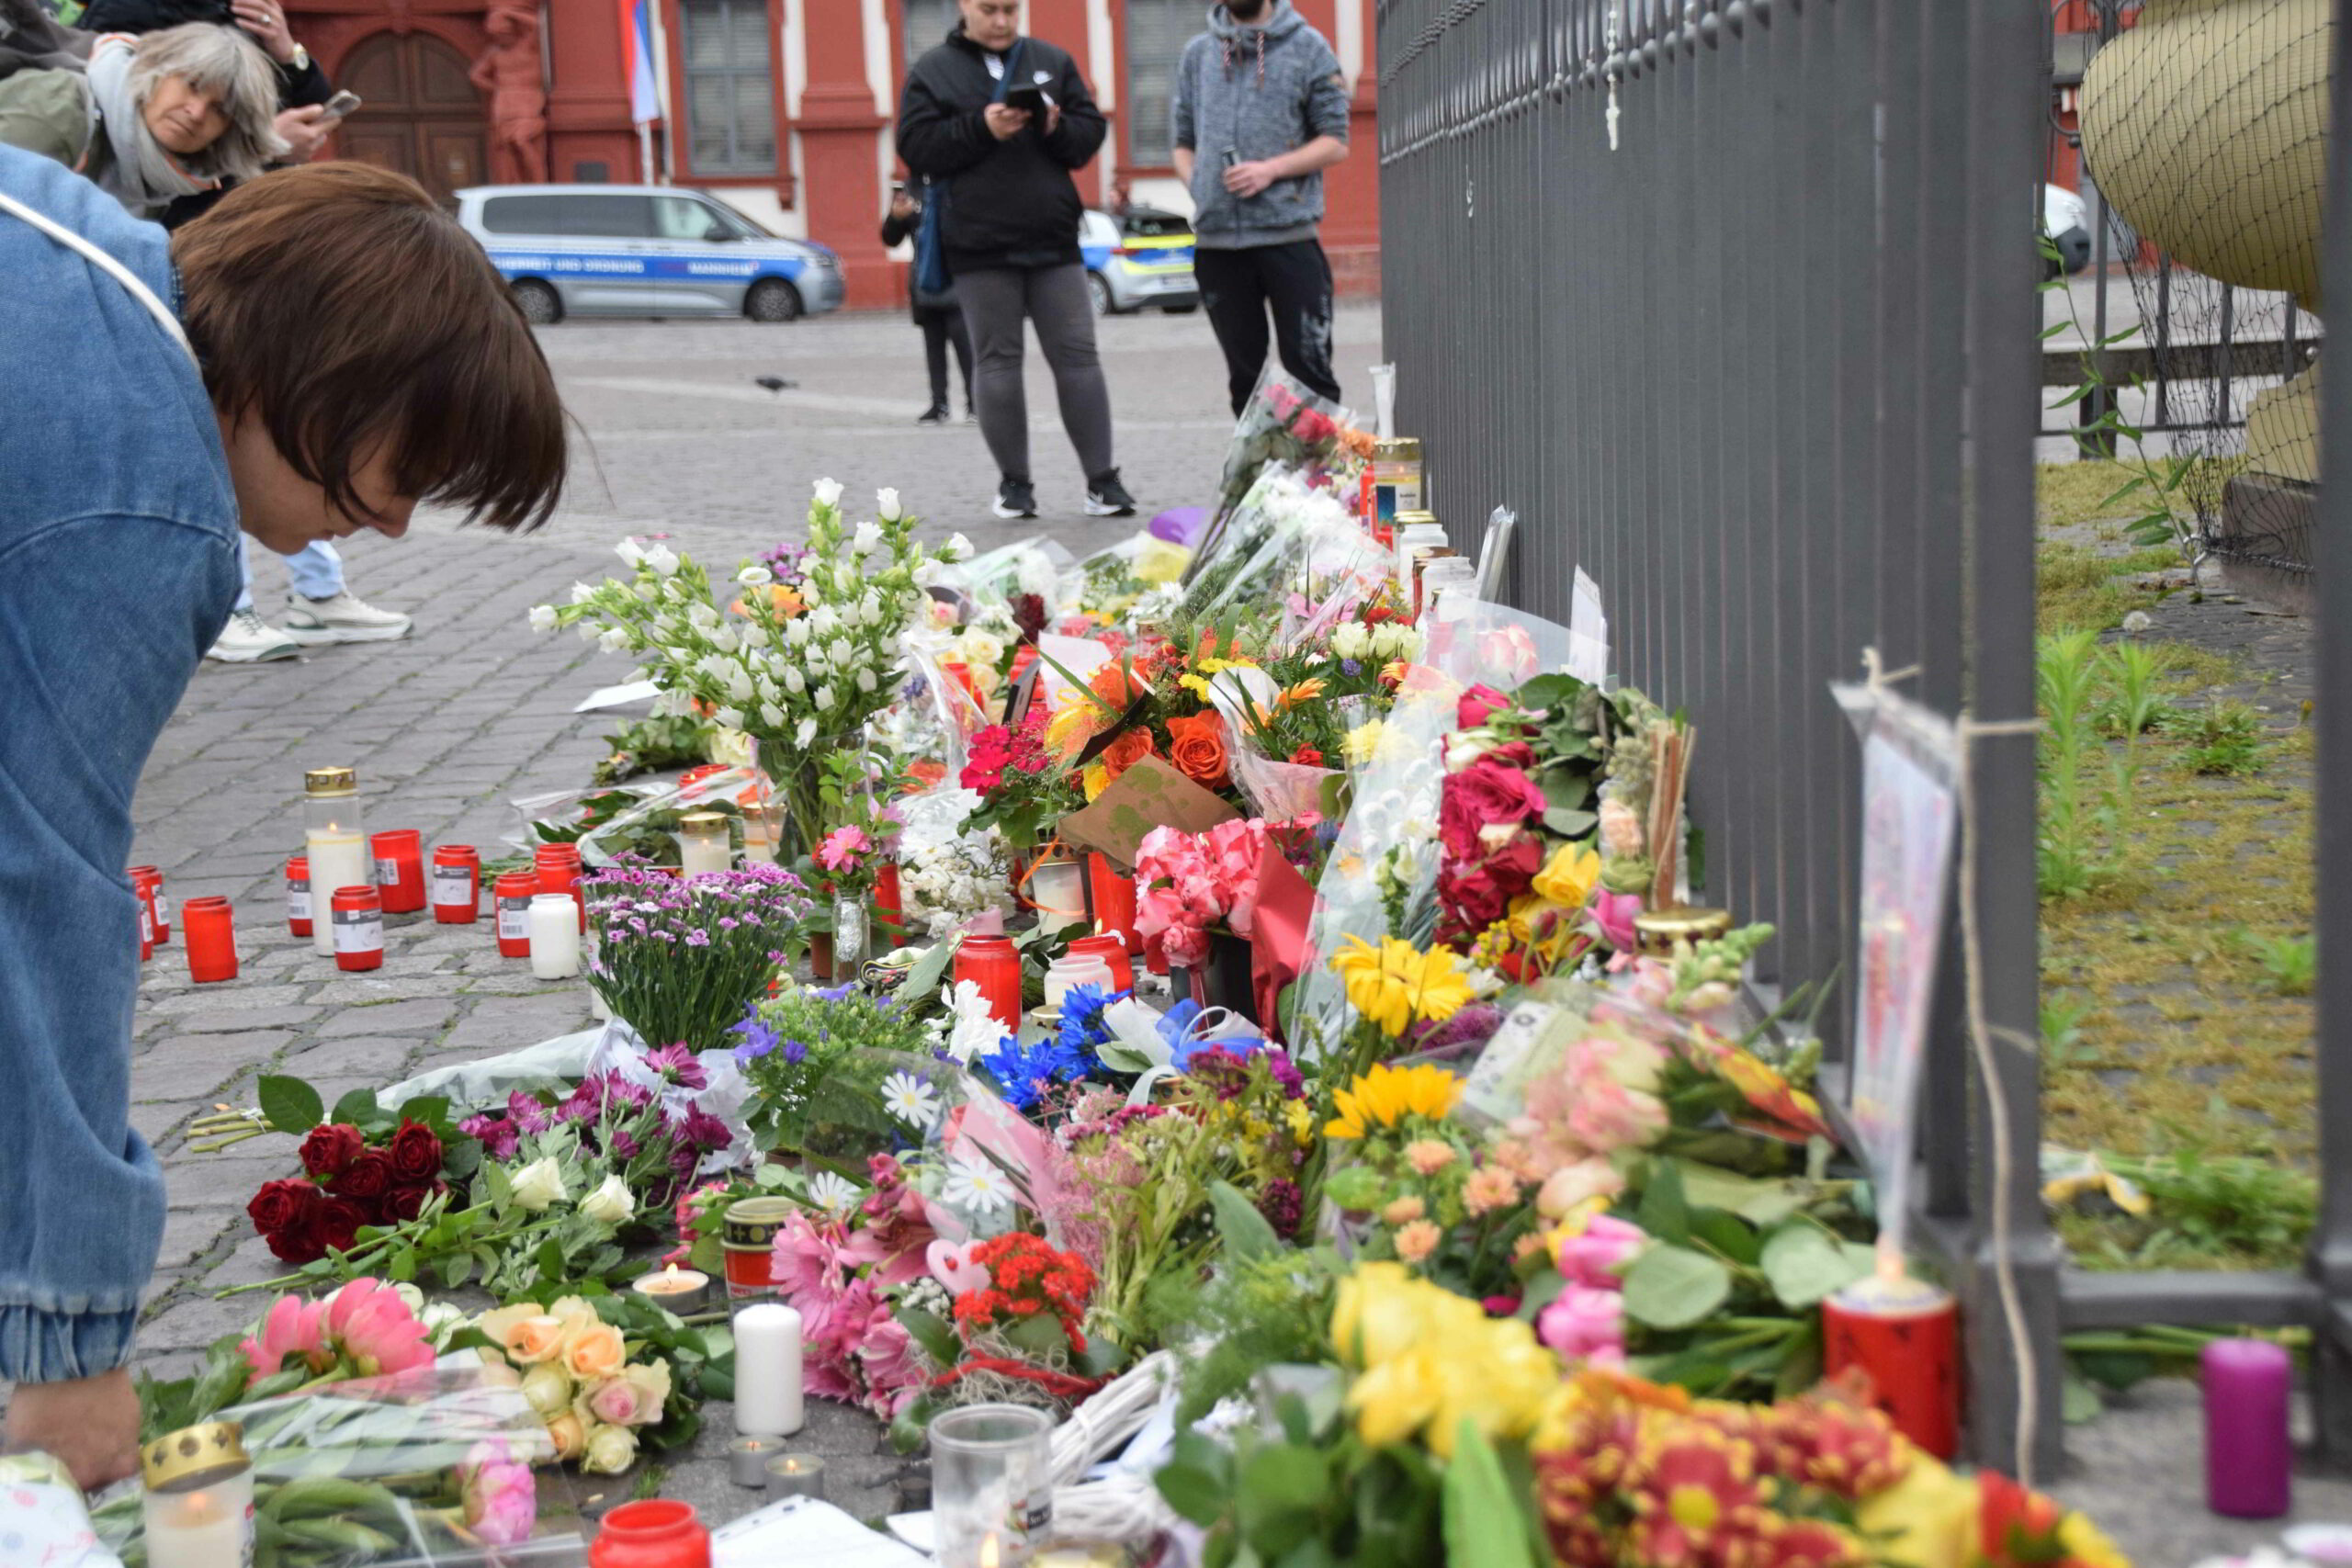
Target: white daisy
(980,1187)
(909,1098)
(832,1192)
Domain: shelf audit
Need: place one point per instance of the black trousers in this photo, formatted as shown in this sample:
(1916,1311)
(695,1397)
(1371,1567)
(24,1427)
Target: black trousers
(940,327)
(1293,284)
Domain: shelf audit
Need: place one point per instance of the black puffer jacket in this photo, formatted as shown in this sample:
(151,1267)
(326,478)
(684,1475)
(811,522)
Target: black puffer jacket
(297,85)
(1009,203)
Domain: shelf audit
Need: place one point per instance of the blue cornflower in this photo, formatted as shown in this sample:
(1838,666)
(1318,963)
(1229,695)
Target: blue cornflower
(1083,1031)
(1024,1071)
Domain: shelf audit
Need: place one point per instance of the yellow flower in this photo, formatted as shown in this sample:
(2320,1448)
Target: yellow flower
(1928,1519)
(1196,684)
(1396,1399)
(1161,560)
(1096,778)
(1067,731)
(1363,742)
(1568,877)
(1395,986)
(2088,1545)
(1301,1118)
(1386,1095)
(1499,1378)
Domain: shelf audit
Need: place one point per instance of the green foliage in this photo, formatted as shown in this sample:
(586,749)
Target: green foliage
(2062,1034)
(2077,818)
(2290,962)
(2224,737)
(1266,1310)
(650,745)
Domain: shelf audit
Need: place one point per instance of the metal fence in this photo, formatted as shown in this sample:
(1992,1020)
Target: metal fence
(1735,303)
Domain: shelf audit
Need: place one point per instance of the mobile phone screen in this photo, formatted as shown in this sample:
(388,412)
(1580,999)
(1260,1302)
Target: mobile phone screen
(1030,99)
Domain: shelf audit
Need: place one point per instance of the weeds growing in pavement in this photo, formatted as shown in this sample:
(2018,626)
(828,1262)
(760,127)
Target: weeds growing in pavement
(2062,1034)
(2291,962)
(2224,738)
(2206,1207)
(2077,807)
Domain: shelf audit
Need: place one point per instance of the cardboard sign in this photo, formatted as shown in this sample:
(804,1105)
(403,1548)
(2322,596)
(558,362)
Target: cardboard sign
(1152,794)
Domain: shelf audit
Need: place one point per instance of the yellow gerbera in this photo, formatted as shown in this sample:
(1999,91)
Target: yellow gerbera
(1386,1096)
(1363,742)
(1394,984)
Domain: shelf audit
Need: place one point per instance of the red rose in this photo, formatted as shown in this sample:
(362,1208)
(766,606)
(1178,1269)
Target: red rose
(284,1214)
(331,1148)
(1306,757)
(1485,793)
(1474,894)
(416,1153)
(366,1178)
(1313,426)
(1476,705)
(338,1224)
(407,1203)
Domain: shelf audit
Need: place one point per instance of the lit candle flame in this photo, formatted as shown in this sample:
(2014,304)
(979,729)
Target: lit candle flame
(988,1553)
(671,1279)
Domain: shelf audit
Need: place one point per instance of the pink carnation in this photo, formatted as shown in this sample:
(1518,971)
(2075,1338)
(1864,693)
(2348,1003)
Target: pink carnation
(1596,1259)
(1585,1324)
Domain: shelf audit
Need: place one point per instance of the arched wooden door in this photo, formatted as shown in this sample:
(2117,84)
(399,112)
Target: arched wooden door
(421,115)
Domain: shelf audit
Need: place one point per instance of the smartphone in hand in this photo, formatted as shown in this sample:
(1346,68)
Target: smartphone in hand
(1031,98)
(343,104)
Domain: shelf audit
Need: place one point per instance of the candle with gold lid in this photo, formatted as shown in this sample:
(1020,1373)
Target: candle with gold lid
(334,843)
(199,1504)
(1656,930)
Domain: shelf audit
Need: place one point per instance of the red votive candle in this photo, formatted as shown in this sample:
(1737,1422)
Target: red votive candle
(146,928)
(1112,892)
(358,916)
(889,910)
(209,931)
(1111,950)
(1905,1334)
(560,872)
(148,883)
(2249,1451)
(512,894)
(456,884)
(990,963)
(690,781)
(399,869)
(655,1533)
(298,895)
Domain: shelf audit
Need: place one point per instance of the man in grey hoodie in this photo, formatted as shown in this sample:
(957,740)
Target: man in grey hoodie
(1261,111)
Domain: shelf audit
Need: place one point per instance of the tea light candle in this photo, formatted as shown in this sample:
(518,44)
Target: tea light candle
(198,1501)
(677,1290)
(355,925)
(702,845)
(148,883)
(510,898)
(1058,887)
(554,936)
(1072,970)
(797,1475)
(747,1460)
(2249,1452)
(456,884)
(767,1370)
(298,895)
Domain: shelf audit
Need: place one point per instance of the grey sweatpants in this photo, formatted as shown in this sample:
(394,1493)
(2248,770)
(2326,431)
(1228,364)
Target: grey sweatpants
(996,300)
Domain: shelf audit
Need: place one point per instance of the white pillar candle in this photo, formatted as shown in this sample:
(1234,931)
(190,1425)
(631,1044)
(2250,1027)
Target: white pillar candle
(337,860)
(702,844)
(554,936)
(1058,889)
(767,1370)
(207,1529)
(1076,969)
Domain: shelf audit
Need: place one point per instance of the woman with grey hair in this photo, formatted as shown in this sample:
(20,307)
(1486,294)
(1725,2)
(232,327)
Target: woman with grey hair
(155,118)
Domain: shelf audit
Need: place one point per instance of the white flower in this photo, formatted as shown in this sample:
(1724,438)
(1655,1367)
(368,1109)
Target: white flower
(828,492)
(661,559)
(613,641)
(824,620)
(805,734)
(538,1184)
(739,685)
(771,716)
(957,548)
(752,634)
(976,1029)
(610,1203)
(1349,639)
(723,639)
(646,592)
(727,718)
(793,681)
(979,1186)
(581,593)
(715,667)
(865,682)
(755,576)
(587,632)
(926,574)
(543,618)
(825,696)
(839,651)
(867,539)
(797,633)
(831,1191)
(909,1098)
(870,605)
(819,662)
(611,1450)
(885,503)
(629,551)
(703,615)
(768,691)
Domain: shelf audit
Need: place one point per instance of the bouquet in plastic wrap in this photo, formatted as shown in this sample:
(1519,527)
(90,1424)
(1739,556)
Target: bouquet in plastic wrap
(1284,422)
(1280,527)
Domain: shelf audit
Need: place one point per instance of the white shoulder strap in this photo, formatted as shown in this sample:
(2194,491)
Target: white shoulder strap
(104,263)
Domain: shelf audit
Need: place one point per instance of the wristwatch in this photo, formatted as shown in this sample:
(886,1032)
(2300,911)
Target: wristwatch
(302,61)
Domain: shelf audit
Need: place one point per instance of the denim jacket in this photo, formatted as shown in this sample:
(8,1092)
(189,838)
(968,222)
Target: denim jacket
(118,568)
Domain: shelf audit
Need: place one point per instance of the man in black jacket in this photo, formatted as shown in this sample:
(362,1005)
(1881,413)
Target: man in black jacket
(1008,211)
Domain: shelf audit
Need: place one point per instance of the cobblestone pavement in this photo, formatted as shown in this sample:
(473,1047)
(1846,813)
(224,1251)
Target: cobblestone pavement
(450,724)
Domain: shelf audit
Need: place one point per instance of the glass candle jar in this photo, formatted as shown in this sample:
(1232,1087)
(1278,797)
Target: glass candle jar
(890,907)
(1057,889)
(1112,892)
(355,926)
(456,884)
(399,869)
(851,936)
(1072,970)
(555,939)
(558,867)
(209,930)
(657,1533)
(298,895)
(334,840)
(198,1507)
(991,1484)
(1112,950)
(511,895)
(702,844)
(990,963)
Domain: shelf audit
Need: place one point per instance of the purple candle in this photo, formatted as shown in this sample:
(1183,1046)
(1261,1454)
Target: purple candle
(2249,1456)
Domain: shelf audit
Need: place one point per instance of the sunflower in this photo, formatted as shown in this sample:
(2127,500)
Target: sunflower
(1386,1096)
(1396,985)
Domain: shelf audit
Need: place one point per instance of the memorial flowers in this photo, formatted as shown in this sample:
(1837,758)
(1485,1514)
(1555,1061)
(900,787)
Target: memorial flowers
(677,959)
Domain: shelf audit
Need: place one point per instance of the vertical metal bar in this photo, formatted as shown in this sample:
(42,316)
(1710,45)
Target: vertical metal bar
(2160,345)
(2223,352)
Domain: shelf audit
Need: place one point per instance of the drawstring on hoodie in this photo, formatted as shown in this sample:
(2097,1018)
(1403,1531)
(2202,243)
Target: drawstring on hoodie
(1225,55)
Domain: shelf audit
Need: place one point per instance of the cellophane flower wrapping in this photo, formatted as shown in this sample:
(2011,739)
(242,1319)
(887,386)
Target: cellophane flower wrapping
(1282,421)
(1267,543)
(443,1466)
(736,791)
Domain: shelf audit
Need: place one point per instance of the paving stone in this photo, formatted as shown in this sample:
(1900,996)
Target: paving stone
(191,1319)
(226,996)
(421,1016)
(231,1022)
(189,1082)
(357,1056)
(253,1045)
(364,990)
(189,1233)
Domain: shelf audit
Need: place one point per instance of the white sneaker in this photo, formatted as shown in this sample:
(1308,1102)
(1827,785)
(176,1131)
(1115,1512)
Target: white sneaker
(344,618)
(249,640)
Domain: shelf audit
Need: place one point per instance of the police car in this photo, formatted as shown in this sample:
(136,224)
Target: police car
(1143,257)
(604,250)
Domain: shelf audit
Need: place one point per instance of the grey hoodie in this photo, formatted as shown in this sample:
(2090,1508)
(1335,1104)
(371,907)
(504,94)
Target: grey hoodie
(1256,92)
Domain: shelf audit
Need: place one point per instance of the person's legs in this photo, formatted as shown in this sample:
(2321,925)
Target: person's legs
(993,302)
(1064,313)
(935,356)
(1297,281)
(245,572)
(961,335)
(316,570)
(1235,298)
(322,610)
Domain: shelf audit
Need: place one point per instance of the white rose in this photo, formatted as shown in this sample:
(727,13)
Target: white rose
(886,503)
(613,641)
(661,560)
(755,576)
(824,696)
(793,681)
(611,1450)
(727,718)
(628,550)
(610,1203)
(547,1387)
(702,615)
(1348,639)
(828,492)
(865,682)
(805,733)
(957,548)
(543,618)
(538,1184)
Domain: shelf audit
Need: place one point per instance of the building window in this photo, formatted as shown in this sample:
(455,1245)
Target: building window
(928,23)
(1157,32)
(731,92)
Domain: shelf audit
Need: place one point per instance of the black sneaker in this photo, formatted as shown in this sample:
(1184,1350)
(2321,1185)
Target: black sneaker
(933,415)
(1106,497)
(1015,498)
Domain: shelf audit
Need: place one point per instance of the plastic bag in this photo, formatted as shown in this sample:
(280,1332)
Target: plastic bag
(427,1469)
(1267,545)
(650,829)
(43,1518)
(1284,423)
(562,804)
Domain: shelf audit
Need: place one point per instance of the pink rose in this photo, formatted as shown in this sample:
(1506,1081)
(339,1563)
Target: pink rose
(1233,848)
(1608,1116)
(620,1402)
(1596,1259)
(1576,1183)
(1476,705)
(1585,1325)
(1621,830)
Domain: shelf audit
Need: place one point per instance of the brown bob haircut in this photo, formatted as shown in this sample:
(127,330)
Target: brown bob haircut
(339,306)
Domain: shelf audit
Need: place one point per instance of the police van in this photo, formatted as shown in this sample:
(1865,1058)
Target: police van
(604,249)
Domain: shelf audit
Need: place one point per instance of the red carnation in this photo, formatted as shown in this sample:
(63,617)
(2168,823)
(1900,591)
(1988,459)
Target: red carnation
(366,1178)
(416,1153)
(331,1148)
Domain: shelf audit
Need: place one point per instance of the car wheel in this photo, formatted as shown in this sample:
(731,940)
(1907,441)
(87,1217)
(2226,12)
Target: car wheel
(1181,310)
(773,299)
(1099,292)
(541,306)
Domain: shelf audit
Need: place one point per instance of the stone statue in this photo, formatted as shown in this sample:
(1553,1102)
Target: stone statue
(509,71)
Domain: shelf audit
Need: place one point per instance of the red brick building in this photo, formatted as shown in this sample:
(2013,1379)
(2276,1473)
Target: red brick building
(783,106)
